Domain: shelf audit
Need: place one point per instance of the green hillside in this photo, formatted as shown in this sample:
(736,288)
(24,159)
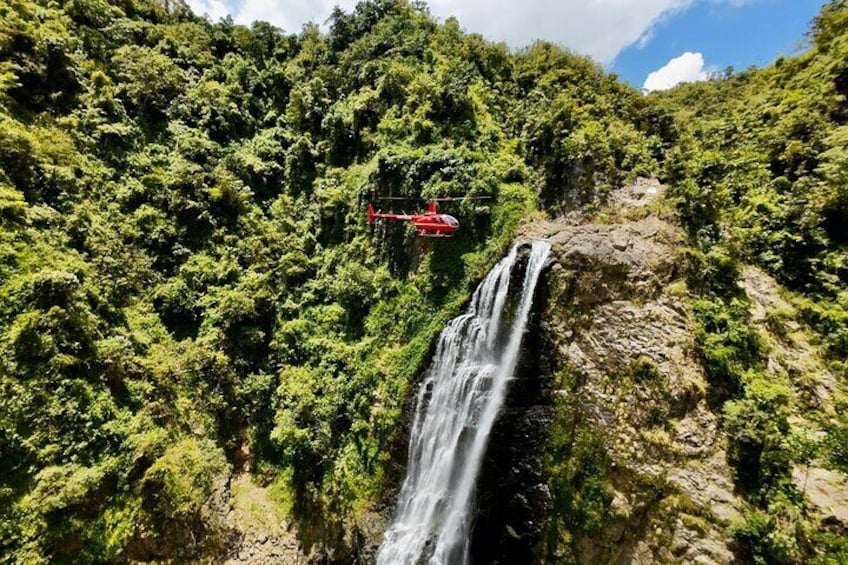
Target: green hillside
(189,288)
(758,175)
(188,283)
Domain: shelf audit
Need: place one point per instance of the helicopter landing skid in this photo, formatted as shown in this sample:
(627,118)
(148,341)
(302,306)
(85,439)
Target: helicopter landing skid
(434,235)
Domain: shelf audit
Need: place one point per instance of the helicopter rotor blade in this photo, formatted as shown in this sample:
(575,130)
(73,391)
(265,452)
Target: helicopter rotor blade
(440,199)
(459,198)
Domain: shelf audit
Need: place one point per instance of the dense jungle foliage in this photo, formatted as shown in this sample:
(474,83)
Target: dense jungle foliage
(188,287)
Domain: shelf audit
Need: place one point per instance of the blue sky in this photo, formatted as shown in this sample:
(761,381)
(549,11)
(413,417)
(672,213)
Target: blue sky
(676,40)
(726,34)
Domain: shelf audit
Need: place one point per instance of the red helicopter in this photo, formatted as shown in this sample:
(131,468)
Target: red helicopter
(429,224)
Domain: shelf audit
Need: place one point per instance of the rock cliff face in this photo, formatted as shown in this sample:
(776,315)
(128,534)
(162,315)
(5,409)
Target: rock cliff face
(513,499)
(626,340)
(608,417)
(609,449)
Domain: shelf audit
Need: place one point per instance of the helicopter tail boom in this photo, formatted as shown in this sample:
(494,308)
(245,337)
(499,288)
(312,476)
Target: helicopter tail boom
(378,215)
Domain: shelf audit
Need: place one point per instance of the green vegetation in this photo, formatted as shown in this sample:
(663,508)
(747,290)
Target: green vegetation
(188,287)
(758,174)
(187,284)
(578,464)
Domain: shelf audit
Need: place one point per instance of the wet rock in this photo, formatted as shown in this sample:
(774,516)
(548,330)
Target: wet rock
(513,498)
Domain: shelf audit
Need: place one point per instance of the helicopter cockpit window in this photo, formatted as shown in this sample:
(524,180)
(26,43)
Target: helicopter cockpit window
(450,220)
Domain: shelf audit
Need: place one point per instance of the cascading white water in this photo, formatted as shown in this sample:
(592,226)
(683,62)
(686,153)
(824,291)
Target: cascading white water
(457,406)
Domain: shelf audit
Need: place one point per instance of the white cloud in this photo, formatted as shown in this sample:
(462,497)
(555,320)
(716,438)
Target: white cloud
(688,67)
(599,28)
(215,9)
(289,15)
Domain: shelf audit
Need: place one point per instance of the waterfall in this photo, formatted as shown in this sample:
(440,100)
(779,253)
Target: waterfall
(456,408)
